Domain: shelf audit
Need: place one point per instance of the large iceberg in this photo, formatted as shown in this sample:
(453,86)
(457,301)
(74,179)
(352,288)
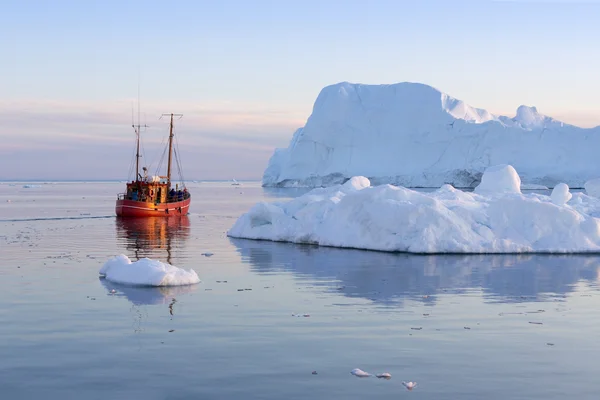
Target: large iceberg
(495,218)
(413,135)
(146,272)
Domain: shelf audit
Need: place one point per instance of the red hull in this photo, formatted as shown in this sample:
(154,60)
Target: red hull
(132,208)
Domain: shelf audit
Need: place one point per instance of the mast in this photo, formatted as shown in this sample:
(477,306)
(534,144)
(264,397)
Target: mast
(136,128)
(137,154)
(170,148)
(170,152)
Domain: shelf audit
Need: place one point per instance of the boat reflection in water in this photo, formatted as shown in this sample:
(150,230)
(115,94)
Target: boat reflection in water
(155,238)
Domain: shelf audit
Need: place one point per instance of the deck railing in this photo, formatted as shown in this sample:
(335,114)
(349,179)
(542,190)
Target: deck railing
(170,199)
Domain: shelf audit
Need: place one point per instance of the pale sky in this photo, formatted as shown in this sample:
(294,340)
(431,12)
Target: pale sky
(245,74)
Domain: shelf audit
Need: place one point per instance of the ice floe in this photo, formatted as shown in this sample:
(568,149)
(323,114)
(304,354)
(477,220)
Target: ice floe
(360,373)
(146,272)
(495,218)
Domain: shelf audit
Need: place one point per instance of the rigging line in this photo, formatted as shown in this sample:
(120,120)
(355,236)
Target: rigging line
(175,150)
(162,159)
(131,165)
(143,151)
(181,180)
(156,155)
(179,166)
(177,163)
(143,155)
(178,160)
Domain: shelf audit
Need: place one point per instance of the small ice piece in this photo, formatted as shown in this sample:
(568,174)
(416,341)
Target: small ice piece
(146,272)
(410,385)
(360,373)
(207,254)
(385,375)
(560,194)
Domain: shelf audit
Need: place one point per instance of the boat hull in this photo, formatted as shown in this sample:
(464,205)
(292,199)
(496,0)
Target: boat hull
(133,208)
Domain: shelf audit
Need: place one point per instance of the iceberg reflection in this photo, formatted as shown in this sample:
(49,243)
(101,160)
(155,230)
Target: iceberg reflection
(391,278)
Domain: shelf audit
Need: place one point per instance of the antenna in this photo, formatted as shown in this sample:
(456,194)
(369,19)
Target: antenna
(136,128)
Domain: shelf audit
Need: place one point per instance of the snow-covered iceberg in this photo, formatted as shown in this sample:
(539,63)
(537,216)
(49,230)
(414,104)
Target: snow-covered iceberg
(413,135)
(146,272)
(495,218)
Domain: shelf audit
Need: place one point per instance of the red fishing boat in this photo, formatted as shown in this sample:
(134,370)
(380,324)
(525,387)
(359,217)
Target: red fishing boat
(153,196)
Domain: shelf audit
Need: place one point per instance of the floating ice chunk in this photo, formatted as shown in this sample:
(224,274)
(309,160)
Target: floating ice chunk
(497,218)
(560,194)
(410,385)
(499,179)
(592,187)
(31,186)
(360,373)
(146,272)
(385,375)
(207,254)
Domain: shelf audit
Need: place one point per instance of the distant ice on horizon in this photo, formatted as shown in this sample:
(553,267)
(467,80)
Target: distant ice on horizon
(413,135)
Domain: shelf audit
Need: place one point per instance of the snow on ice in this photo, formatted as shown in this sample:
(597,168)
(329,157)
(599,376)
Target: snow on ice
(495,218)
(146,272)
(413,135)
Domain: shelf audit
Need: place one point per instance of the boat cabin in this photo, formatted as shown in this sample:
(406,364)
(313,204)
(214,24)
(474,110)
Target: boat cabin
(154,190)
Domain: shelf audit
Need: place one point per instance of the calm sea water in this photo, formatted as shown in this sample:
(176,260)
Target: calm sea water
(462,327)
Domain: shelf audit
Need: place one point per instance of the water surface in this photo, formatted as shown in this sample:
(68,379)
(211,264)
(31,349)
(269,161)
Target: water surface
(463,327)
